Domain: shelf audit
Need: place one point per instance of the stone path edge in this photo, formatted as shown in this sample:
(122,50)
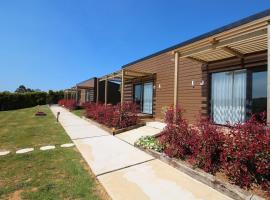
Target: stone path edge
(227,189)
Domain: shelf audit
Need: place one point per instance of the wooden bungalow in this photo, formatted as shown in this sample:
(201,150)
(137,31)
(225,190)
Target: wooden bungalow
(222,74)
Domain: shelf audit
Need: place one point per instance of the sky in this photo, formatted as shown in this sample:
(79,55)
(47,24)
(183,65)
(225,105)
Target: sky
(54,44)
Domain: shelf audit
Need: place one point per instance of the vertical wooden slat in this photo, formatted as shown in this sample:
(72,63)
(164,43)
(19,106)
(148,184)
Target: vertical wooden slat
(106,90)
(97,90)
(176,66)
(268,73)
(122,87)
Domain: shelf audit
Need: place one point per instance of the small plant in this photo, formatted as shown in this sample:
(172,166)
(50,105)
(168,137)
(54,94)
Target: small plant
(149,142)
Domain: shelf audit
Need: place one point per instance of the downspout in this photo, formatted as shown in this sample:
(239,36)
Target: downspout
(176,66)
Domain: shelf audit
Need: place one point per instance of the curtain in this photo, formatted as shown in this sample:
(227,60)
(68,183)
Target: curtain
(228,97)
(147,98)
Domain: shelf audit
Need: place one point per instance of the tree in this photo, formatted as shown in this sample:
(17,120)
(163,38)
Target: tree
(23,89)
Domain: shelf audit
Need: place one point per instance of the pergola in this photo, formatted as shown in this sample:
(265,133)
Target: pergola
(121,76)
(228,42)
(72,92)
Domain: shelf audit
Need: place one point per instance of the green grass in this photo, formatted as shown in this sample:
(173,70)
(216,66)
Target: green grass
(79,112)
(56,174)
(21,128)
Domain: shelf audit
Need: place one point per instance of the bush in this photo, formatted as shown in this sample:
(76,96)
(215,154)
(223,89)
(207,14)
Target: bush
(113,116)
(54,96)
(68,103)
(243,152)
(209,146)
(246,154)
(10,101)
(179,140)
(149,142)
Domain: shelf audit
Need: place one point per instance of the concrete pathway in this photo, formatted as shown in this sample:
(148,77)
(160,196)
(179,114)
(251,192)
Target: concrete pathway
(125,171)
(150,129)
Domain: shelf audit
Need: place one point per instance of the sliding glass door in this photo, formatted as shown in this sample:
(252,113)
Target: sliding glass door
(147,98)
(143,96)
(228,96)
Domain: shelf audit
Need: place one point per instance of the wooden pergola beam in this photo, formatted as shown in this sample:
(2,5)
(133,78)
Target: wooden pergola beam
(106,90)
(197,60)
(223,43)
(268,73)
(122,86)
(97,98)
(233,51)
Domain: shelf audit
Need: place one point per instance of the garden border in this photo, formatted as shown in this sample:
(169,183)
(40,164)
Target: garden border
(110,130)
(233,191)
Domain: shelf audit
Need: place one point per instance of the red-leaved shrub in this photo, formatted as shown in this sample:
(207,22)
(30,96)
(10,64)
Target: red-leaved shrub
(68,103)
(209,146)
(242,152)
(179,140)
(118,116)
(246,154)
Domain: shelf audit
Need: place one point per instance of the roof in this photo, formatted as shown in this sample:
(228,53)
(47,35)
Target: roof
(85,81)
(243,21)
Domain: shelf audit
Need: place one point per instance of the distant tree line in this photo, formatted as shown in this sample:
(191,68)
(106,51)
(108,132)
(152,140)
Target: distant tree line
(25,97)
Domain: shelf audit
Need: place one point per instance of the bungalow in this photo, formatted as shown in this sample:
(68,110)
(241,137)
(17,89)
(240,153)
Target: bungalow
(222,74)
(87,91)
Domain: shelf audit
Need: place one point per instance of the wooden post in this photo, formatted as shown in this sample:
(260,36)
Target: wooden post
(122,87)
(97,90)
(106,90)
(176,65)
(268,73)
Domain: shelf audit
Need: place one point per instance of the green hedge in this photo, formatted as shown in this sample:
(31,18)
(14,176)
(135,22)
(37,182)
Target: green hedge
(11,101)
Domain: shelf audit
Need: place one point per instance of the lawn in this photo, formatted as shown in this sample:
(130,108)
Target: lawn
(56,174)
(79,112)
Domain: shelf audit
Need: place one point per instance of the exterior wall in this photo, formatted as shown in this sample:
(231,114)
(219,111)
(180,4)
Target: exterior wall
(163,67)
(196,100)
(193,100)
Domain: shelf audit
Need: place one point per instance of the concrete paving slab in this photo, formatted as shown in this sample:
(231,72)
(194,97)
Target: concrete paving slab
(155,124)
(133,135)
(156,180)
(26,150)
(67,145)
(84,131)
(3,153)
(107,153)
(45,148)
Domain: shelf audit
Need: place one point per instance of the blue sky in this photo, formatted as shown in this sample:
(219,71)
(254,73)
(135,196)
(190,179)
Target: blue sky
(54,44)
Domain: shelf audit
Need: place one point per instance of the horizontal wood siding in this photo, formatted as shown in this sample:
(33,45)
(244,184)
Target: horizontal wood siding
(192,100)
(163,67)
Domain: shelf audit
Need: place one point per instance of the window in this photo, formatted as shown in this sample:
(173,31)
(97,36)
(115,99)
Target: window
(138,94)
(228,96)
(259,91)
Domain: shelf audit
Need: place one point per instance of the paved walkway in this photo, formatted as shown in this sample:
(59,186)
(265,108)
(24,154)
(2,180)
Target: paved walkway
(125,171)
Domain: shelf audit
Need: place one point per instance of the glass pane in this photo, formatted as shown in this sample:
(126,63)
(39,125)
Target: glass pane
(228,97)
(138,94)
(148,98)
(259,91)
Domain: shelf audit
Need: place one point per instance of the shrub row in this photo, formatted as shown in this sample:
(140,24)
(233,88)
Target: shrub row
(116,116)
(242,151)
(10,101)
(68,103)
